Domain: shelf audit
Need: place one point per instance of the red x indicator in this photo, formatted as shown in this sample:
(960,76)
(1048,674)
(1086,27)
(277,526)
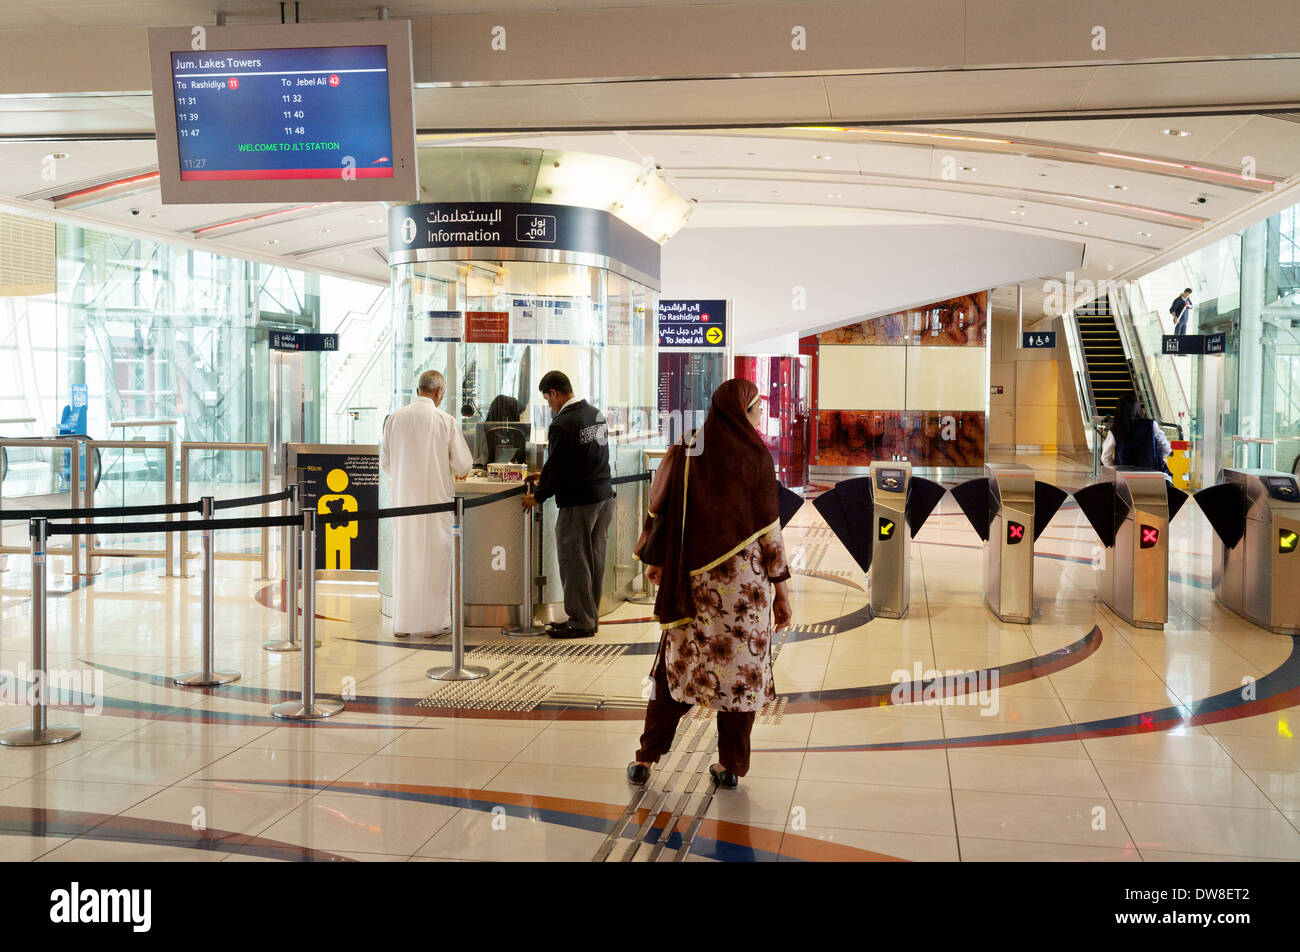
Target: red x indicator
(1015,532)
(1150,536)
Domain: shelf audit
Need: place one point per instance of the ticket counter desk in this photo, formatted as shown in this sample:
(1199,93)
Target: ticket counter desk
(493,540)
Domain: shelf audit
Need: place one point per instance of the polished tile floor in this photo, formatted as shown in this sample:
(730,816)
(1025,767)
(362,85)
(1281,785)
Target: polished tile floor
(1095,741)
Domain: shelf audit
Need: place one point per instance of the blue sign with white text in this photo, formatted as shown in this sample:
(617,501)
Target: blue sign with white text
(694,324)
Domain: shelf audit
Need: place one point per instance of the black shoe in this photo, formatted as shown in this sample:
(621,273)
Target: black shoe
(725,778)
(568,631)
(637,773)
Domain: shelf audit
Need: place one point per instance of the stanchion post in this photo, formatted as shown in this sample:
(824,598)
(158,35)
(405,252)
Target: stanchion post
(308,707)
(208,676)
(292,555)
(458,670)
(527,628)
(40,733)
(648,589)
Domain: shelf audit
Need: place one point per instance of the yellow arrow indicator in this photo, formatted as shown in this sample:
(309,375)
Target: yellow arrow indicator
(713,335)
(886,528)
(1286,540)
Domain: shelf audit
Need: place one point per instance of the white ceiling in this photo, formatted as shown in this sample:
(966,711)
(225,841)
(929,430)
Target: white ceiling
(1052,173)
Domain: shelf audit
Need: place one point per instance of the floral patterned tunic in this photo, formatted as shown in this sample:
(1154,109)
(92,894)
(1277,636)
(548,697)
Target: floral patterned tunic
(723,658)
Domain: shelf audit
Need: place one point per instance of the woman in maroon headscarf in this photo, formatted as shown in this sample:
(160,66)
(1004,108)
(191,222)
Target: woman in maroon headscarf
(712,543)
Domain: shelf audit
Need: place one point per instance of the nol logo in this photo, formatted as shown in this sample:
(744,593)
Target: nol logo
(408,230)
(535,228)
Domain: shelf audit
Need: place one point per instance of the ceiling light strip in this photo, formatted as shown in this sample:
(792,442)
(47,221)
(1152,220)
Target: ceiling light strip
(256,218)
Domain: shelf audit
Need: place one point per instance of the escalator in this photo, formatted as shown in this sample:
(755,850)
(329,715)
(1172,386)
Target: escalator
(1109,373)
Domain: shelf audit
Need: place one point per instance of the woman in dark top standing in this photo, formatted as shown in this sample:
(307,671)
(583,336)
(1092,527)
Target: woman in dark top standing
(1135,440)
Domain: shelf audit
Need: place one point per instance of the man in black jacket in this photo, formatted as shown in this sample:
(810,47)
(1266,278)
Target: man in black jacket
(576,474)
(1181,309)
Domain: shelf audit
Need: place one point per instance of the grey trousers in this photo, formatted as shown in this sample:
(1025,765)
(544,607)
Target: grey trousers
(581,537)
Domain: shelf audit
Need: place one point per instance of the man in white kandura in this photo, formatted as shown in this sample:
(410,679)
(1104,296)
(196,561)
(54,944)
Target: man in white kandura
(421,450)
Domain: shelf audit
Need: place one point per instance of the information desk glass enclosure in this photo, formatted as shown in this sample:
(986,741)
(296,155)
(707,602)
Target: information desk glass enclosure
(493,328)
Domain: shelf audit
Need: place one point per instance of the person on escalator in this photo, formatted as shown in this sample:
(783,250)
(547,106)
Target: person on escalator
(1181,310)
(1135,440)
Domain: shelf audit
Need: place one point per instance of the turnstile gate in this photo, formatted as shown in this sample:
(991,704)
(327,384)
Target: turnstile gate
(875,516)
(1009,509)
(1256,518)
(1130,512)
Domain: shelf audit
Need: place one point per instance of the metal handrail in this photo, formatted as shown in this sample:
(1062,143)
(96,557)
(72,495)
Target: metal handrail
(264,555)
(380,346)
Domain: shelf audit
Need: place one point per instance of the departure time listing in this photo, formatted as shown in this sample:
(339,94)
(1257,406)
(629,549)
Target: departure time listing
(283,114)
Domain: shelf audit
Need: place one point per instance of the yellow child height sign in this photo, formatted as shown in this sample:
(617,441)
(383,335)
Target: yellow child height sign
(338,538)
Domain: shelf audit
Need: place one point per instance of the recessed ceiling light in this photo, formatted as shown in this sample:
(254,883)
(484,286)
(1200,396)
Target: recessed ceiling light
(1144,234)
(1079,221)
(374,221)
(273,241)
(57,156)
(969,168)
(1119,188)
(1016,211)
(1175,132)
(324,231)
(834,195)
(716,190)
(824,158)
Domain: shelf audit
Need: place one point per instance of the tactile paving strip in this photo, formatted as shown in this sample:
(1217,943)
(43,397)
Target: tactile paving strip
(520,683)
(515,650)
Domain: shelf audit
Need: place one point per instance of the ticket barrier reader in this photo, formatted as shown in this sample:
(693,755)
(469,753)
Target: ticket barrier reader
(869,515)
(1009,510)
(1255,514)
(1130,512)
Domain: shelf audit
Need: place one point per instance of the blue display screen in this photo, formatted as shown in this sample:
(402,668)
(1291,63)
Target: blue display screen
(312,113)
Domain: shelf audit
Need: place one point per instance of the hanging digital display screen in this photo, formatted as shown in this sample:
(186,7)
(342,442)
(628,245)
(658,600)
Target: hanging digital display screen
(302,112)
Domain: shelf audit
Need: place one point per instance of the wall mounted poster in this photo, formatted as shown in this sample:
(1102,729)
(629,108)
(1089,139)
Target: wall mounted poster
(444,326)
(487,327)
(546,320)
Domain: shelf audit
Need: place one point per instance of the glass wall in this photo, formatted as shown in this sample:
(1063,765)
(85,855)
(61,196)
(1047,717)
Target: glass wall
(523,319)
(156,331)
(1241,409)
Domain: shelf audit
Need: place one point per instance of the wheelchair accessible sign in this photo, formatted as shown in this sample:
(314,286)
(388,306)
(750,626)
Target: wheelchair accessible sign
(696,325)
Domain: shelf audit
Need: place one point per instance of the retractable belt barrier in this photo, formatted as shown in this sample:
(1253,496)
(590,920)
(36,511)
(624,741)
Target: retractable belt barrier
(303,526)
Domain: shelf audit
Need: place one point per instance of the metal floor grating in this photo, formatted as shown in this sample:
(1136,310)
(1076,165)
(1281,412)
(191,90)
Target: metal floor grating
(514,650)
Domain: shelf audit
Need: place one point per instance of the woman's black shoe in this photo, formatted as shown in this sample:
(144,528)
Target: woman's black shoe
(637,773)
(725,778)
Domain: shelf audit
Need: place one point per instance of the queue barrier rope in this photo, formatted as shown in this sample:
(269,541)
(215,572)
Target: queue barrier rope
(17,514)
(250,500)
(192,525)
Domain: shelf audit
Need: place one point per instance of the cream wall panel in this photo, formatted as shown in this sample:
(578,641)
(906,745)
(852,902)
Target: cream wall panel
(861,378)
(1036,383)
(1036,425)
(947,378)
